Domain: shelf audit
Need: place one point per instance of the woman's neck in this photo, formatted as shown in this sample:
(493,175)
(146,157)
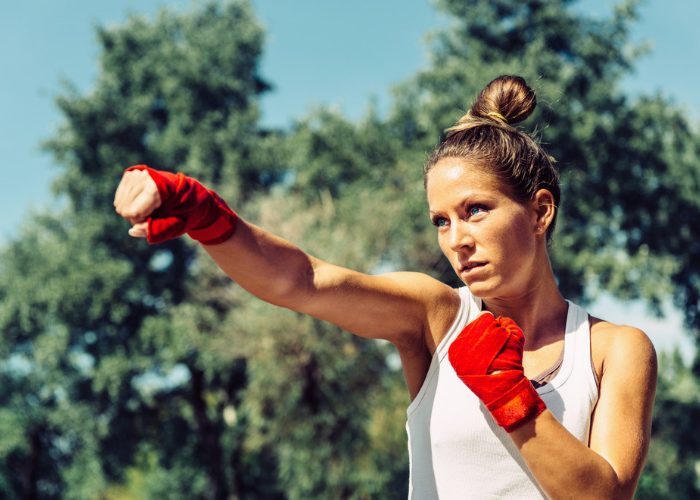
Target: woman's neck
(540,310)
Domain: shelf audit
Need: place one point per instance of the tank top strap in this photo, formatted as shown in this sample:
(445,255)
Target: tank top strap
(469,309)
(583,347)
(577,349)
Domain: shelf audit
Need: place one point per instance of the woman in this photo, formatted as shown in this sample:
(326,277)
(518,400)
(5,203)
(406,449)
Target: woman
(471,357)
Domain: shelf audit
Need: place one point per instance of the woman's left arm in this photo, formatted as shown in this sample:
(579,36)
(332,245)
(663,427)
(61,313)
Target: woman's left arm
(620,431)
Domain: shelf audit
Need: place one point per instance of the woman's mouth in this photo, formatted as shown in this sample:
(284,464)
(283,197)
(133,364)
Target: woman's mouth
(471,267)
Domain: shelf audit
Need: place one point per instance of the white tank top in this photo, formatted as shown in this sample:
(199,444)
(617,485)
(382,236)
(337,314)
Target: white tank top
(457,451)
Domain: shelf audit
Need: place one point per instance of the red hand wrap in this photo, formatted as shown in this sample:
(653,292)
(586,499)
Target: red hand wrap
(488,345)
(187,207)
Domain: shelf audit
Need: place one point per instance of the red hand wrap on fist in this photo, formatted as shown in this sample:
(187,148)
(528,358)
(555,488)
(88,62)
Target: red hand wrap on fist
(187,207)
(488,345)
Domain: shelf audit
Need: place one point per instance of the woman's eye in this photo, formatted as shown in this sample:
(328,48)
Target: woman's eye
(439,222)
(475,210)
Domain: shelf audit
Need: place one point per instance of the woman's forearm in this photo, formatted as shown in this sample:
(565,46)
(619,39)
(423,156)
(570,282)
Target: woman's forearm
(565,467)
(269,267)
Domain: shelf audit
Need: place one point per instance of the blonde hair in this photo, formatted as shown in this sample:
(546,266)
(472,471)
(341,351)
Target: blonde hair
(486,136)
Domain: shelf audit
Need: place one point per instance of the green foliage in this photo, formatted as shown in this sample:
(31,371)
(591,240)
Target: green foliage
(617,156)
(313,390)
(141,372)
(87,313)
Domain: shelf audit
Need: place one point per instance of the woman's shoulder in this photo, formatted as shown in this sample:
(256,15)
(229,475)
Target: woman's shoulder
(616,347)
(431,291)
(440,301)
(610,336)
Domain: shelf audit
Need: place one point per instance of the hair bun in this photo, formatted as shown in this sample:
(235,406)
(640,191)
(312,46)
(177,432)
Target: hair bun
(507,99)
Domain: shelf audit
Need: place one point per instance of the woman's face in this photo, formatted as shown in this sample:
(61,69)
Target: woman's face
(488,237)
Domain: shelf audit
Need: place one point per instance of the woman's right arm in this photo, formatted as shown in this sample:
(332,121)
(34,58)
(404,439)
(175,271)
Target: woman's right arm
(400,307)
(411,310)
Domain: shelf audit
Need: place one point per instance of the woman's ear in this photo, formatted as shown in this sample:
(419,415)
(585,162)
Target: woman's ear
(545,210)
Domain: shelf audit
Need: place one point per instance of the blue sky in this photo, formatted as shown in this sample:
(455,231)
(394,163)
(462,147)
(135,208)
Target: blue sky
(317,51)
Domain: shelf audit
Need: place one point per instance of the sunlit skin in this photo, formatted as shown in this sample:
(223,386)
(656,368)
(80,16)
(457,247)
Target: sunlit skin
(478,225)
(497,246)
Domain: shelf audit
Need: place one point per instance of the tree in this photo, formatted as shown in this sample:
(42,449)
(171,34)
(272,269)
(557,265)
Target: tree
(135,369)
(150,397)
(84,309)
(629,166)
(618,155)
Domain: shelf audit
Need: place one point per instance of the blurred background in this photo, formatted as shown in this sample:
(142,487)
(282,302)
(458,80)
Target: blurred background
(140,372)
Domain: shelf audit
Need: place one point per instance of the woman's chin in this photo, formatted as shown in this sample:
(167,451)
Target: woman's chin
(488,287)
(480,289)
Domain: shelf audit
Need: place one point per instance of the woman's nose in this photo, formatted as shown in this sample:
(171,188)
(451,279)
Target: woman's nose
(460,236)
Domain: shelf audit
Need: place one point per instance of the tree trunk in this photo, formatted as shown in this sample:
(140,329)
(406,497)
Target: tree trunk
(209,444)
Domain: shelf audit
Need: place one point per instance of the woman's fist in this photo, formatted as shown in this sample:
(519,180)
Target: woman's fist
(136,198)
(162,205)
(488,357)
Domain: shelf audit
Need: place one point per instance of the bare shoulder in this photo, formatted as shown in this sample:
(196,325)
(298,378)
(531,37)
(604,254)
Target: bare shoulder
(621,347)
(441,303)
(427,289)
